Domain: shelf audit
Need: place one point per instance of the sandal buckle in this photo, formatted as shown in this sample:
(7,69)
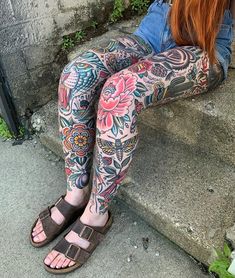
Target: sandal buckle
(86,232)
(72,256)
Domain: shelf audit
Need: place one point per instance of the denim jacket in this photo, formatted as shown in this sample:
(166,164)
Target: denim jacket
(155,30)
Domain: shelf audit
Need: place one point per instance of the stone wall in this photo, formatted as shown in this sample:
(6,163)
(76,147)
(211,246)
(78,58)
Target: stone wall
(30,37)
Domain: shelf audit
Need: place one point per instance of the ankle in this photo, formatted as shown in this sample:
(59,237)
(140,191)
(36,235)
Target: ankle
(94,219)
(78,196)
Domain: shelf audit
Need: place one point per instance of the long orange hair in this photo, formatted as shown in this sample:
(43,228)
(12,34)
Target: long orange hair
(196,22)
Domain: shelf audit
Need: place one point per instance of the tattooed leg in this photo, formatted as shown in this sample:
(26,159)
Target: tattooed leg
(177,73)
(180,72)
(80,86)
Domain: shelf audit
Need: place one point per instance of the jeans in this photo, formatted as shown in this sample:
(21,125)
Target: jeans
(124,77)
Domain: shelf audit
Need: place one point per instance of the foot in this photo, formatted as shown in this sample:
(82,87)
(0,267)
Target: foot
(57,260)
(80,198)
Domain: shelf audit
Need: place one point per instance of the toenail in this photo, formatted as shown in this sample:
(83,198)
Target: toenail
(47,261)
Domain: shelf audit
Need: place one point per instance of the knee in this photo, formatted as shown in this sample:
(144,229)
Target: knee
(78,77)
(117,101)
(71,73)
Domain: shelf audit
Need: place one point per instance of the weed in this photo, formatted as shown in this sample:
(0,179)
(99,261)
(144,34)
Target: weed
(222,263)
(118,10)
(67,43)
(21,131)
(79,35)
(4,131)
(94,24)
(140,6)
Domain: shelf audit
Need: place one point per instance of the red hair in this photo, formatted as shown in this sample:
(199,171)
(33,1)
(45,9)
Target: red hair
(196,22)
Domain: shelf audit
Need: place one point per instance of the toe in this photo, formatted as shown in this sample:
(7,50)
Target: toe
(35,227)
(55,261)
(66,263)
(40,237)
(37,231)
(50,257)
(36,239)
(71,263)
(34,234)
(61,261)
(38,223)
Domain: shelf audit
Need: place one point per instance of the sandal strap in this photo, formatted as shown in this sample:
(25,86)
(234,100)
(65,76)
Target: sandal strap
(45,214)
(72,251)
(91,233)
(64,207)
(88,233)
(50,227)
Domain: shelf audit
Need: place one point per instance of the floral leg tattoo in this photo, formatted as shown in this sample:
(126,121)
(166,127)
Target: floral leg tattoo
(177,73)
(80,86)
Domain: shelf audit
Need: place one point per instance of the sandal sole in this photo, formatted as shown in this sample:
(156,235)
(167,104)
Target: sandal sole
(62,270)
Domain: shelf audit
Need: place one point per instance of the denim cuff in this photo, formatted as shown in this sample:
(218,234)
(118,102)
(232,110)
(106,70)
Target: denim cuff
(224,63)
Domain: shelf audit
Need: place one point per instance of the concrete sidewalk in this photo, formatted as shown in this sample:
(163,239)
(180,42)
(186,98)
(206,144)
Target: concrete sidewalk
(31,178)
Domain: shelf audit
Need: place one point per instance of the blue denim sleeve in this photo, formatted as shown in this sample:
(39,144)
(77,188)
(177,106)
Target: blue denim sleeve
(152,26)
(224,42)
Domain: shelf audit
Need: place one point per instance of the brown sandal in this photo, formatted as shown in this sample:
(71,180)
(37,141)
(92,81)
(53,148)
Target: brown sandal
(74,252)
(50,227)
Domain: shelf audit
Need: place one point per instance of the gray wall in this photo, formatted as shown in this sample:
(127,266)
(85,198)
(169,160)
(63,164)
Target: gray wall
(30,34)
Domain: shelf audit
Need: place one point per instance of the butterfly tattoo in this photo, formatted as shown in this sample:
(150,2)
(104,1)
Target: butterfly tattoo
(118,146)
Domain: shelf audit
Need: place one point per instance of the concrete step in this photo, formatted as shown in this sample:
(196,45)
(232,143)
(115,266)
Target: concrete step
(185,194)
(206,122)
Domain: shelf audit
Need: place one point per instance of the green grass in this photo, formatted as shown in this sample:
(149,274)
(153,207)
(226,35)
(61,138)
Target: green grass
(4,131)
(221,264)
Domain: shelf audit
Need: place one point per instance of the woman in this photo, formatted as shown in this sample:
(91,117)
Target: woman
(179,50)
